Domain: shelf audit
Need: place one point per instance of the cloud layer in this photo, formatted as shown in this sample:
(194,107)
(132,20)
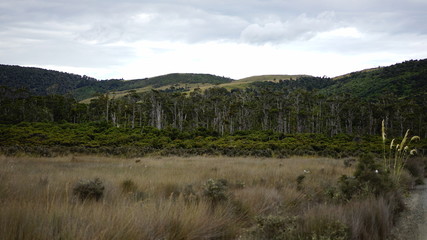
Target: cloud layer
(130,38)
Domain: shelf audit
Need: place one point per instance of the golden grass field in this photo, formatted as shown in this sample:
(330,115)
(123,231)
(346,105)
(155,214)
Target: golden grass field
(37,202)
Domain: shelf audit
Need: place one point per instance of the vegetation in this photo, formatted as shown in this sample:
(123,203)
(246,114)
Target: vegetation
(404,80)
(80,192)
(59,139)
(188,198)
(89,189)
(41,82)
(397,155)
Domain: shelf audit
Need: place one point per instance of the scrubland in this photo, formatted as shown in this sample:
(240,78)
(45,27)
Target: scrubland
(194,198)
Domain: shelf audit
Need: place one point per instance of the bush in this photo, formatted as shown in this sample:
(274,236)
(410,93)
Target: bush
(216,190)
(326,229)
(89,189)
(369,178)
(276,227)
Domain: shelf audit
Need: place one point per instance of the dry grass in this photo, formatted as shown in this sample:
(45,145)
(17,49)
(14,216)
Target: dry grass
(37,203)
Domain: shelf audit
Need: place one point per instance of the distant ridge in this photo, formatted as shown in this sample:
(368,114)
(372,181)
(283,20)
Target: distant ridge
(403,80)
(41,81)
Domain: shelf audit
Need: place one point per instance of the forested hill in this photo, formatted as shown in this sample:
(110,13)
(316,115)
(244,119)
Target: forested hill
(43,82)
(403,80)
(407,80)
(40,81)
(170,81)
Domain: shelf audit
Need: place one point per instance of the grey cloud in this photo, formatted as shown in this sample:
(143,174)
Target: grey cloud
(252,21)
(180,23)
(301,27)
(84,32)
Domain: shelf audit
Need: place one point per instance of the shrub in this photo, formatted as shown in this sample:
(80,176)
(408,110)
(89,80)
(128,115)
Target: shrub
(328,229)
(369,178)
(275,227)
(89,189)
(216,190)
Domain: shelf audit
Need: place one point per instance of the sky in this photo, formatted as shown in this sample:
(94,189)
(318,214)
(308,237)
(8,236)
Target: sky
(133,39)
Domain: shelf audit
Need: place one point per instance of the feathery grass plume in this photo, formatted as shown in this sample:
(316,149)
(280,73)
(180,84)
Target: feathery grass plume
(402,144)
(398,154)
(413,152)
(415,138)
(392,144)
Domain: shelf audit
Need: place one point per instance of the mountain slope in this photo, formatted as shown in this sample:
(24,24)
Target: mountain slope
(46,82)
(41,81)
(404,80)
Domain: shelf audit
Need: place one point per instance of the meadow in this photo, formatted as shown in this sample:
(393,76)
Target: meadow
(193,198)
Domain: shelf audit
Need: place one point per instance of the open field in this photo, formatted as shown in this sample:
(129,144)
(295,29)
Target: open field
(185,198)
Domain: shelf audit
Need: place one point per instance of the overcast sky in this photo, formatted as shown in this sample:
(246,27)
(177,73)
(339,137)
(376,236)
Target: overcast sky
(234,38)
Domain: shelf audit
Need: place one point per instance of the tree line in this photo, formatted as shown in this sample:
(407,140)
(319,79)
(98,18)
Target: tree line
(279,109)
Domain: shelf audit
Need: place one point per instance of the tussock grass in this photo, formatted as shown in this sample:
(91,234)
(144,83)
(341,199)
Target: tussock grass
(36,196)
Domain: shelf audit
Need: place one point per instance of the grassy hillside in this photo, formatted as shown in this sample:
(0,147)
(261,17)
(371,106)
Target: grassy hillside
(189,82)
(175,80)
(404,80)
(247,82)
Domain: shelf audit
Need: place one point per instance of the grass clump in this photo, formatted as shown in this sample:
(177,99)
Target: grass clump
(128,186)
(89,189)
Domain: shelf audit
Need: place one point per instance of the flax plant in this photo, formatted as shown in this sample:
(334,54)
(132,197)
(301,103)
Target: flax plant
(398,154)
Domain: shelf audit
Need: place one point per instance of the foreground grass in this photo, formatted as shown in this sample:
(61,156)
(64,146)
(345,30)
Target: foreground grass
(165,198)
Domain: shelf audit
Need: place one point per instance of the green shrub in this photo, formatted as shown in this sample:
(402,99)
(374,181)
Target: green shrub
(329,230)
(369,178)
(276,227)
(89,189)
(216,190)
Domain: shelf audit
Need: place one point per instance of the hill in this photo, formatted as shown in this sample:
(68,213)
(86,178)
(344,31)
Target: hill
(41,81)
(404,80)
(169,82)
